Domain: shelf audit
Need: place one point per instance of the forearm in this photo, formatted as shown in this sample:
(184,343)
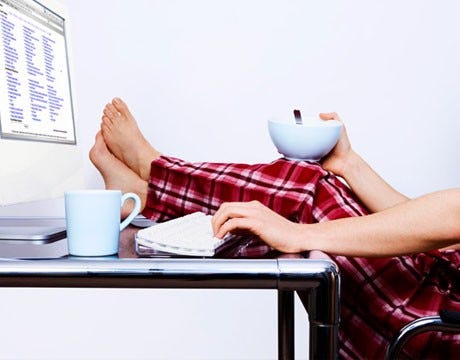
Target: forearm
(371,189)
(423,224)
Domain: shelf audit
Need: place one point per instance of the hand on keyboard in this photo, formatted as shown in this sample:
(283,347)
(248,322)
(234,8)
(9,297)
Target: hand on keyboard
(187,235)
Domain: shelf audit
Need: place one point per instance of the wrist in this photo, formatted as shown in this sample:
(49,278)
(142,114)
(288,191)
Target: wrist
(351,165)
(308,237)
(297,241)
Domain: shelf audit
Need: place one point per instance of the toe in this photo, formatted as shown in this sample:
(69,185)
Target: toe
(98,136)
(107,107)
(106,120)
(109,113)
(97,151)
(111,109)
(121,107)
(105,130)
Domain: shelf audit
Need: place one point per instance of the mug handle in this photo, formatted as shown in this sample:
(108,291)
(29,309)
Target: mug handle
(137,208)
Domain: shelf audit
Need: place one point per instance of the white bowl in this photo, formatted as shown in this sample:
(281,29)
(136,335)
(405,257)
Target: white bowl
(312,140)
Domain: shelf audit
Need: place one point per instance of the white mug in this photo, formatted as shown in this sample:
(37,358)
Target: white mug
(93,220)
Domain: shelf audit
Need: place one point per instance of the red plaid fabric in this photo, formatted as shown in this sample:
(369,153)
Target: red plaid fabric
(300,191)
(378,296)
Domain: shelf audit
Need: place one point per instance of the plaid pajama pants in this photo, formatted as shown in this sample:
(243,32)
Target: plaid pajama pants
(378,296)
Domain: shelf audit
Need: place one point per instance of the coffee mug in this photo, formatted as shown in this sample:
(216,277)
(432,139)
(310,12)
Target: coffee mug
(93,220)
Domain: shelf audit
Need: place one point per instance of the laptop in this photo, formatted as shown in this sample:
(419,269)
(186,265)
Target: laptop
(32,238)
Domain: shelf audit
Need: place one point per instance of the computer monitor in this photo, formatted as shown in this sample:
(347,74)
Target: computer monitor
(40,153)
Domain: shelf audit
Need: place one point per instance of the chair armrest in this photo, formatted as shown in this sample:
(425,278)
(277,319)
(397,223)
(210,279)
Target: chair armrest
(447,321)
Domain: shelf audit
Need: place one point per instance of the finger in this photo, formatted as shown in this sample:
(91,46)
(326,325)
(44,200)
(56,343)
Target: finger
(228,211)
(225,212)
(235,224)
(219,217)
(329,116)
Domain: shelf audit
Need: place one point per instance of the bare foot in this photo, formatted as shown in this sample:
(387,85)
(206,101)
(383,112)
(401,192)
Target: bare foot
(125,140)
(116,175)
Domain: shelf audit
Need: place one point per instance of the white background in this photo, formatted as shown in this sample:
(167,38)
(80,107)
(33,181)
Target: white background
(202,77)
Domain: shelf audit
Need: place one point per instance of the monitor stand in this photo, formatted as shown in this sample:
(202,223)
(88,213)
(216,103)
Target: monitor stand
(32,238)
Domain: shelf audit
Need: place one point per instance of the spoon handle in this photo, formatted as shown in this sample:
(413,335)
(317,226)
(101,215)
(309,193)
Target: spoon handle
(298,117)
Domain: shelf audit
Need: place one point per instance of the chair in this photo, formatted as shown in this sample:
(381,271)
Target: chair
(447,321)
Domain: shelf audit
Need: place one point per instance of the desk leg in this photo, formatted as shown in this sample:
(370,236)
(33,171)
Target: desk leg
(323,344)
(323,313)
(285,325)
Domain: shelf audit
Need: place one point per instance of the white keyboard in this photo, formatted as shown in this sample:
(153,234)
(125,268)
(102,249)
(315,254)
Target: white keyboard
(190,235)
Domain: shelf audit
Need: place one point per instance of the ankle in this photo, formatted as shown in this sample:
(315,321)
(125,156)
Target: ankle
(145,163)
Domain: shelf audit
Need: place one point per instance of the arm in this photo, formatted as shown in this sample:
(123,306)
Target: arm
(426,223)
(423,224)
(370,188)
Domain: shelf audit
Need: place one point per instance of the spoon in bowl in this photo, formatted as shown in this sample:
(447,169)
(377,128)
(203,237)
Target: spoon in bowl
(298,117)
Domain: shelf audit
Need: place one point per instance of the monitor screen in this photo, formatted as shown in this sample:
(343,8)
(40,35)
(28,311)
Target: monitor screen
(37,103)
(39,152)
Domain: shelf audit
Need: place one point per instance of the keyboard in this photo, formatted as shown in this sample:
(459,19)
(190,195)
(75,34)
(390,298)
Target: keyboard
(189,235)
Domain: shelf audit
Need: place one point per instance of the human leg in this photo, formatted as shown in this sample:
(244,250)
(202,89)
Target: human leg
(117,175)
(300,191)
(380,296)
(124,139)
